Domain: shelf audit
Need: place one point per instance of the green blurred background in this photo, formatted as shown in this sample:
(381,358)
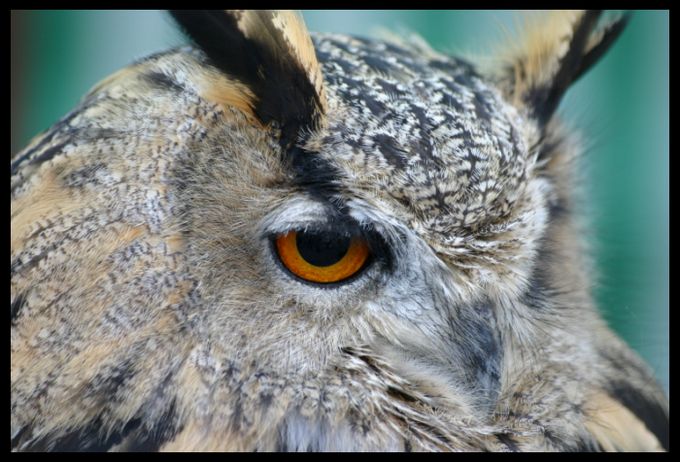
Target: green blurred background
(621,107)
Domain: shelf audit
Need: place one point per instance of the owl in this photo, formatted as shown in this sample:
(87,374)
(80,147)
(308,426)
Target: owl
(278,240)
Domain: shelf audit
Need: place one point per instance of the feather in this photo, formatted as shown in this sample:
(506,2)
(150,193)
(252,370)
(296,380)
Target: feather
(272,54)
(552,53)
(617,428)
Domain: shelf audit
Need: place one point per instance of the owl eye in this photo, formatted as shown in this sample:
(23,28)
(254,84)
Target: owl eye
(322,257)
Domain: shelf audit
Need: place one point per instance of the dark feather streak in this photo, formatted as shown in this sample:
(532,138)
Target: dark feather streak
(282,88)
(544,99)
(649,412)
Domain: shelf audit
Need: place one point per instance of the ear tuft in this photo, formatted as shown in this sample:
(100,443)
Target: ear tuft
(272,54)
(616,427)
(555,49)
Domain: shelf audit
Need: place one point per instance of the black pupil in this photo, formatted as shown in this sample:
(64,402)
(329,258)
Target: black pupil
(322,249)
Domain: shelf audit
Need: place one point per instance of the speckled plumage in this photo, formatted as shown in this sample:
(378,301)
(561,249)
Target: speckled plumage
(149,313)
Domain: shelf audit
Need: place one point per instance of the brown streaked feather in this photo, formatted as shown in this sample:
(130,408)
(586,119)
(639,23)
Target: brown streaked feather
(553,51)
(272,54)
(195,438)
(600,42)
(227,92)
(297,44)
(616,428)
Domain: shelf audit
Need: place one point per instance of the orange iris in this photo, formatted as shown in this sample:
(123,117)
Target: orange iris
(346,265)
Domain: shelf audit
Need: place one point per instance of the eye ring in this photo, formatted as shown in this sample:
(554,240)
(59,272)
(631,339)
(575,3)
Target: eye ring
(322,258)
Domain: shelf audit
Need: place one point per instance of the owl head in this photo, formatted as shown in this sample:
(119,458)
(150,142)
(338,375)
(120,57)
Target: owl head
(277,240)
